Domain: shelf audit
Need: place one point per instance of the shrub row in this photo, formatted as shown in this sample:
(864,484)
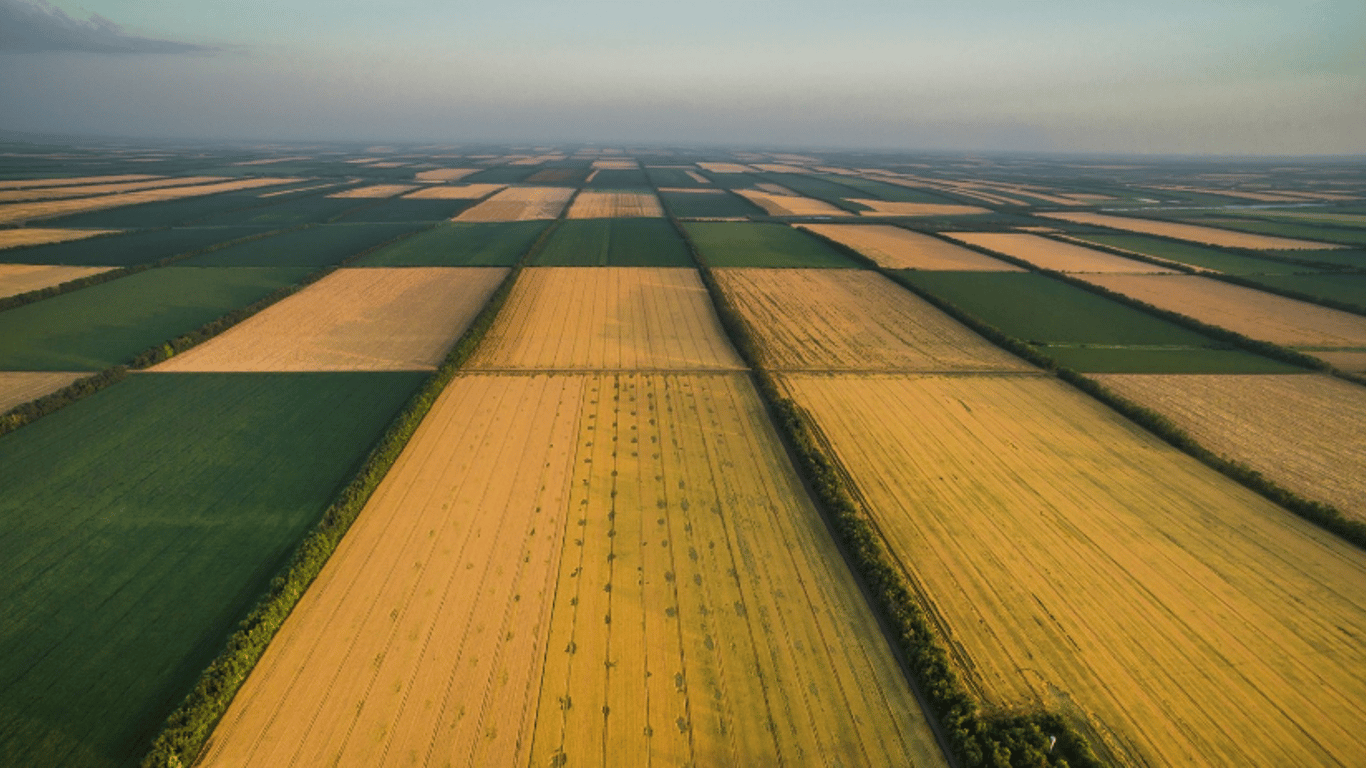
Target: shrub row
(20,415)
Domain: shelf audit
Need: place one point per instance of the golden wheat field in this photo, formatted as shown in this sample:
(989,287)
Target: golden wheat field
(697,177)
(370,319)
(22,278)
(613,318)
(1305,432)
(896,248)
(520,204)
(1074,561)
(1057,256)
(71,180)
(454,192)
(444,174)
(888,208)
(606,205)
(19,237)
(86,190)
(1248,311)
(725,167)
(1193,232)
(11,213)
(19,387)
(1353,360)
(374,191)
(582,570)
(790,205)
(852,320)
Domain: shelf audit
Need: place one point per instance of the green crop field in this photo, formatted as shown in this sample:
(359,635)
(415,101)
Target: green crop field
(312,247)
(127,249)
(289,212)
(1197,255)
(1083,330)
(633,178)
(672,177)
(460,244)
(164,214)
(879,190)
(402,209)
(110,323)
(761,244)
(139,525)
(1341,235)
(1347,288)
(708,205)
(500,174)
(614,243)
(832,192)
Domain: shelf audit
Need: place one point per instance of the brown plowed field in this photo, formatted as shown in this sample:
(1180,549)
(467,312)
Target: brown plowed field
(22,278)
(18,237)
(790,205)
(897,248)
(461,192)
(1051,254)
(1193,232)
(888,208)
(850,319)
(17,388)
(520,204)
(613,318)
(1307,433)
(375,191)
(611,570)
(1074,561)
(16,212)
(1248,311)
(353,320)
(607,205)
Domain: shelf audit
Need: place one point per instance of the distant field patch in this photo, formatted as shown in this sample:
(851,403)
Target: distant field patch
(86,190)
(129,248)
(761,244)
(707,204)
(460,244)
(616,318)
(46,209)
(1193,255)
(1051,254)
(590,204)
(1348,288)
(374,319)
(22,278)
(62,182)
(890,208)
(19,387)
(615,243)
(374,191)
(520,204)
(310,247)
(444,174)
(725,168)
(897,248)
(454,192)
(621,164)
(790,205)
(1196,234)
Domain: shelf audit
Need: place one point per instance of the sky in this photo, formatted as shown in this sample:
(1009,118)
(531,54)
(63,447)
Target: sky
(1259,77)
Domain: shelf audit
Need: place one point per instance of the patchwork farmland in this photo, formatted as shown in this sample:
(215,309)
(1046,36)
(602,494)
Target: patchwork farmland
(582,456)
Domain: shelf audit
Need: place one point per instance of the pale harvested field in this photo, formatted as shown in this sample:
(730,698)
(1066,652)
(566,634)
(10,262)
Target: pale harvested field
(18,237)
(610,570)
(1253,313)
(85,190)
(852,320)
(444,174)
(1307,433)
(17,388)
(1077,562)
(27,183)
(693,190)
(520,204)
(374,191)
(790,205)
(897,248)
(297,190)
(273,160)
(725,167)
(459,192)
(775,189)
(781,168)
(615,165)
(371,319)
(1051,254)
(22,278)
(1344,360)
(16,212)
(607,205)
(1193,232)
(610,318)
(888,208)
(697,177)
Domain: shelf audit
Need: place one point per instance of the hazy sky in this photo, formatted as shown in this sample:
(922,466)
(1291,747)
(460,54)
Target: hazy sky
(1174,76)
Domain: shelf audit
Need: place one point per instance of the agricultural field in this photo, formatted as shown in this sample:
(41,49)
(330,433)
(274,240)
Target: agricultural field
(707,204)
(19,237)
(893,208)
(662,176)
(607,569)
(614,243)
(107,188)
(1083,330)
(400,209)
(761,244)
(1044,531)
(314,246)
(617,178)
(130,248)
(454,192)
(1194,233)
(1302,432)
(1349,288)
(520,204)
(138,526)
(66,210)
(896,248)
(108,324)
(1196,256)
(1342,236)
(460,244)
(592,204)
(290,212)
(19,387)
(22,278)
(613,318)
(1052,254)
(775,204)
(375,191)
(852,320)
(372,319)
(444,174)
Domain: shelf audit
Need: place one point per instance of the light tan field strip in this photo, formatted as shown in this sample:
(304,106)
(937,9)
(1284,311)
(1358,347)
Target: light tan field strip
(444,174)
(897,248)
(888,208)
(18,237)
(29,183)
(615,165)
(790,205)
(16,212)
(1051,254)
(520,204)
(19,387)
(697,177)
(613,570)
(842,319)
(617,318)
(86,190)
(607,205)
(298,190)
(455,192)
(375,191)
(1344,360)
(273,160)
(372,319)
(1192,232)
(22,278)
(1307,433)
(1248,311)
(724,167)
(1075,561)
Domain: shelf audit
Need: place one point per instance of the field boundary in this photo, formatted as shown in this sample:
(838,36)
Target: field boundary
(25,413)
